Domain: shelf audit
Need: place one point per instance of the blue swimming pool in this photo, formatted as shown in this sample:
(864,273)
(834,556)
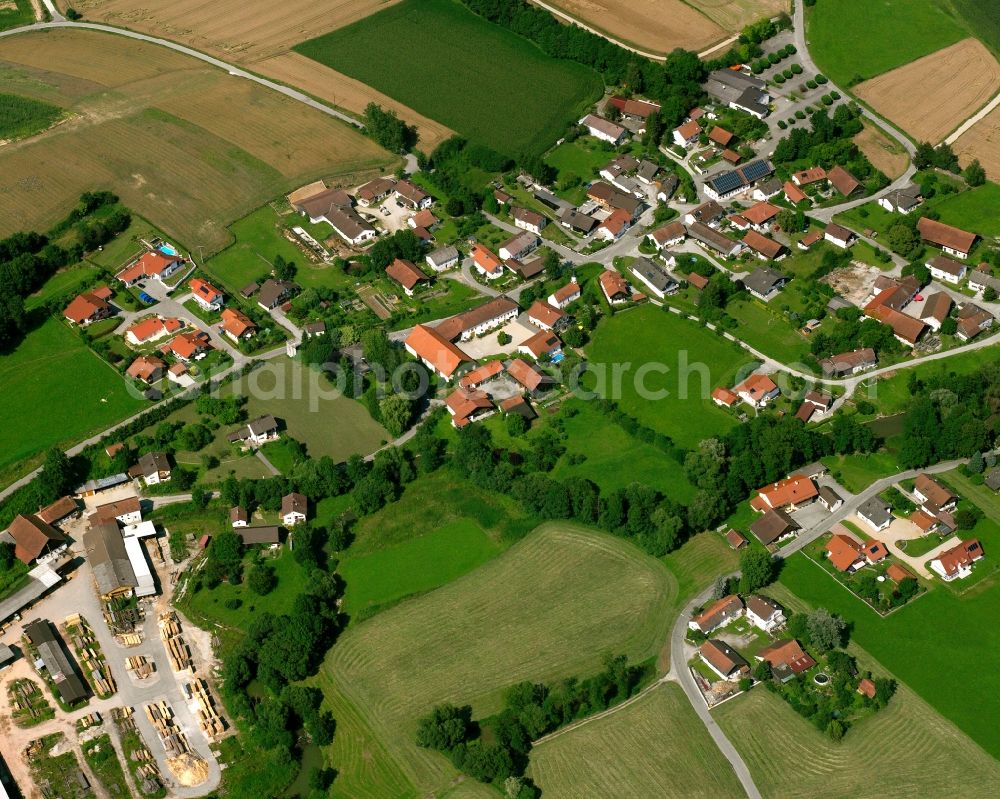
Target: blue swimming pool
(168,249)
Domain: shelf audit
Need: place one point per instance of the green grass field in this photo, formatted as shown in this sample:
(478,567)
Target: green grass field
(477,78)
(656,746)
(415,566)
(548,608)
(12,17)
(918,752)
(983,19)
(335,426)
(976,210)
(771,335)
(23,116)
(849,38)
(66,283)
(937,645)
(697,359)
(67,393)
(614,459)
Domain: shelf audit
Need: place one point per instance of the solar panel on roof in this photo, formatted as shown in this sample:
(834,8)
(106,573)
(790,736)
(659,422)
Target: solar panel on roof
(755,170)
(726,182)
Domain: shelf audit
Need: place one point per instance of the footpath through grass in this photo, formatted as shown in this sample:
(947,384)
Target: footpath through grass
(861,38)
(440,59)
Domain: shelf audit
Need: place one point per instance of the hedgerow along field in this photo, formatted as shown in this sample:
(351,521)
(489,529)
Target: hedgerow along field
(656,746)
(548,608)
(648,335)
(23,116)
(482,81)
(147,126)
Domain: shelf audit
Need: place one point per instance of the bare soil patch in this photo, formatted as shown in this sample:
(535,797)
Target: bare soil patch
(931,96)
(885,154)
(982,141)
(654,25)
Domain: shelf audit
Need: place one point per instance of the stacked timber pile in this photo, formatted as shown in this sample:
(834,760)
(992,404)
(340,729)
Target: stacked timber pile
(211,723)
(147,771)
(161,716)
(177,650)
(88,651)
(139,667)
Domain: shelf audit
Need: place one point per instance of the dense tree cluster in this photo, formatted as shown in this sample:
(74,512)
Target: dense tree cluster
(828,142)
(531,710)
(449,166)
(27,260)
(950,416)
(386,128)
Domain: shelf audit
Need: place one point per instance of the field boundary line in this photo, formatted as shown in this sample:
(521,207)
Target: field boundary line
(979,116)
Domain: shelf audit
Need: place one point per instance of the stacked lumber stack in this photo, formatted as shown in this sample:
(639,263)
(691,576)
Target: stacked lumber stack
(147,771)
(161,716)
(177,650)
(139,667)
(211,723)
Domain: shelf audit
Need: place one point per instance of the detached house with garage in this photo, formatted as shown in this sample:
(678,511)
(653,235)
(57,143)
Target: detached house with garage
(764,613)
(614,287)
(407,275)
(845,553)
(604,129)
(257,432)
(757,390)
(412,196)
(486,262)
(947,270)
(566,295)
(154,265)
(876,513)
(790,494)
(89,307)
(725,661)
(529,220)
(932,495)
(237,325)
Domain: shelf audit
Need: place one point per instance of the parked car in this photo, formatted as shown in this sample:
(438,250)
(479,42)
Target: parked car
(146,298)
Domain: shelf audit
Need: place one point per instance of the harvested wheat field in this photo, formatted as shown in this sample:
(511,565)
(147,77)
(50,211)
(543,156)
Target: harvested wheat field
(252,32)
(887,155)
(145,123)
(734,15)
(657,26)
(982,141)
(338,89)
(933,95)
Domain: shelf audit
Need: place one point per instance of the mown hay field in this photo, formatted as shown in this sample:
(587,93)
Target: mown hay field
(656,746)
(930,97)
(655,26)
(146,123)
(548,608)
(734,15)
(905,750)
(982,141)
(479,79)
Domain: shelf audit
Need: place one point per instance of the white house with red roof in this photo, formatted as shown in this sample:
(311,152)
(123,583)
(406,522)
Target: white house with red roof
(562,297)
(153,265)
(956,563)
(206,295)
(757,390)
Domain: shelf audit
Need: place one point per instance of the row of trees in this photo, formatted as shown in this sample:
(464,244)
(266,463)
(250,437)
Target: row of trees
(530,711)
(386,128)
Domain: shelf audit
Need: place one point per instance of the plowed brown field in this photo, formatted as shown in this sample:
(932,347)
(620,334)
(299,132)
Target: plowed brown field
(933,95)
